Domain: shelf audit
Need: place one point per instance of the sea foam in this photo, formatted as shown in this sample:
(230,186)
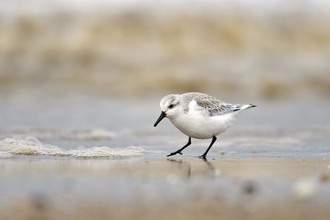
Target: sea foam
(33,147)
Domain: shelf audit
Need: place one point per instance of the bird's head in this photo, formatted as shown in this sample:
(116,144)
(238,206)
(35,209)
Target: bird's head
(170,106)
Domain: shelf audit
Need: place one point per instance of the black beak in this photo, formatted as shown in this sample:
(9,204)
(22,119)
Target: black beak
(162,115)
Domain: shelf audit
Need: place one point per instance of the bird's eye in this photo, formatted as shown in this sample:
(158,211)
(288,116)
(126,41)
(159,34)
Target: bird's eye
(170,106)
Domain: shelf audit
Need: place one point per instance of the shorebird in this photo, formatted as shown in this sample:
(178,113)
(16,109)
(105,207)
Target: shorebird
(199,116)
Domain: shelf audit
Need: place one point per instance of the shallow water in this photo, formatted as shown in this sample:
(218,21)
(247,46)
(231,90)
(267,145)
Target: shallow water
(68,160)
(103,127)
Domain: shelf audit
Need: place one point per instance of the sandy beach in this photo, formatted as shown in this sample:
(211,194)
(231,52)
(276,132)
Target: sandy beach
(179,188)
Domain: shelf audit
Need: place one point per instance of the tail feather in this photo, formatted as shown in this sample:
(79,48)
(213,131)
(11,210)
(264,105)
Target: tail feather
(246,106)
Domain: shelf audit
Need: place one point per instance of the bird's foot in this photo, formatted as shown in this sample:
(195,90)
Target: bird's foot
(174,153)
(203,157)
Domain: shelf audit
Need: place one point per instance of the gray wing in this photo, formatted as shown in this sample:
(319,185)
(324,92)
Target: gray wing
(216,107)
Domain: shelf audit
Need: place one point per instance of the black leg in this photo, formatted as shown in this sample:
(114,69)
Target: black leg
(181,149)
(203,156)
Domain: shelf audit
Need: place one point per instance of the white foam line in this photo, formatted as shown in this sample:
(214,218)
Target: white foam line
(10,147)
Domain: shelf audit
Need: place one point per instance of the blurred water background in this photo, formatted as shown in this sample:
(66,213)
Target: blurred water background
(107,64)
(272,50)
(79,75)
(59,54)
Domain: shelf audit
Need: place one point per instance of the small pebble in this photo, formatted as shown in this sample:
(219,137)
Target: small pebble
(325,177)
(305,188)
(249,187)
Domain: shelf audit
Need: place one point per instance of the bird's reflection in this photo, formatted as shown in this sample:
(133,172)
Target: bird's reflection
(182,165)
(194,167)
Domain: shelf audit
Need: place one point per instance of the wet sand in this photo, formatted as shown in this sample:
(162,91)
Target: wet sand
(268,166)
(175,188)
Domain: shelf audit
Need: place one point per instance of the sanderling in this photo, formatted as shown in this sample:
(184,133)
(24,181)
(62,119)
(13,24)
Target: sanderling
(199,115)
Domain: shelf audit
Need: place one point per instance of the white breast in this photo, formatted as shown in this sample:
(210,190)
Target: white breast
(197,123)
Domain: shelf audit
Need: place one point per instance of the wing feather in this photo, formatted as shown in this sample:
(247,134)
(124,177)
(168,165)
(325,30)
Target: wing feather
(214,106)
